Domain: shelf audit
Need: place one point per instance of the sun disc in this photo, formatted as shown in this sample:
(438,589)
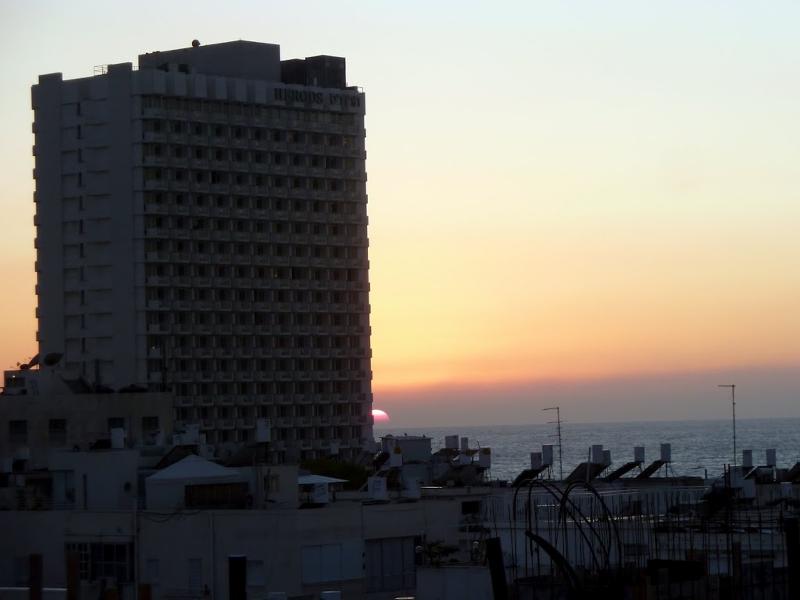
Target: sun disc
(380,416)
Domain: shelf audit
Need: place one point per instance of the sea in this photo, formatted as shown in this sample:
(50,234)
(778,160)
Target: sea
(699,448)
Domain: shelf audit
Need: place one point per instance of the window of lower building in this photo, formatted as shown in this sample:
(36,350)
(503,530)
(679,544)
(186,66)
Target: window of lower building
(218,495)
(18,432)
(390,564)
(100,560)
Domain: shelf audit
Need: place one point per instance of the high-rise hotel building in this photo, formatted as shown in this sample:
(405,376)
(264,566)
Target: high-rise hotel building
(201,227)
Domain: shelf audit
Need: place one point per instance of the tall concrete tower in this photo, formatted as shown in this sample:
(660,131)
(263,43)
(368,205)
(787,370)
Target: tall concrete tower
(202,229)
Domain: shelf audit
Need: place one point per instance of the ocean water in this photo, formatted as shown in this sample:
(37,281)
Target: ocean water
(698,447)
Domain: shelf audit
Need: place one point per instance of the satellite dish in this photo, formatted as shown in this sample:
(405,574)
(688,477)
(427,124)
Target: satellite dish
(52,359)
(195,43)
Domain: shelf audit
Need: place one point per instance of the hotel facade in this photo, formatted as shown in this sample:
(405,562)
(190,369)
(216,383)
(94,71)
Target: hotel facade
(201,230)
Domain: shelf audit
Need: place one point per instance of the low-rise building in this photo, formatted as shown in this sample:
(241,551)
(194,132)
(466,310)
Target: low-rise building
(363,548)
(33,425)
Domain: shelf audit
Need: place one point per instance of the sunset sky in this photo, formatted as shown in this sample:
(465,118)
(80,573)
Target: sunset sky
(596,204)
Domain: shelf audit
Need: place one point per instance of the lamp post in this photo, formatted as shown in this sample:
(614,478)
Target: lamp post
(732,386)
(558,433)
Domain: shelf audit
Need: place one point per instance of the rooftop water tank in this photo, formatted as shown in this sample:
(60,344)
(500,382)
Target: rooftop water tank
(747,459)
(597,454)
(388,443)
(666,453)
(320,494)
(411,489)
(464,444)
(376,488)
(638,454)
(606,457)
(396,457)
(772,457)
(117,438)
(451,442)
(536,460)
(485,458)
(547,455)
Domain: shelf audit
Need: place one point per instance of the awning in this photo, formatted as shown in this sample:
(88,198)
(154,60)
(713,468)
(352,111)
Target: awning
(317,479)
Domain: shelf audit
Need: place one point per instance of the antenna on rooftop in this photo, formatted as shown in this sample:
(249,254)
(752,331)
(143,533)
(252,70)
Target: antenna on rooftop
(558,434)
(732,387)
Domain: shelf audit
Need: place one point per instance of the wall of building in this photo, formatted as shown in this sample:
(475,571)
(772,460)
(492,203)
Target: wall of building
(454,583)
(101,479)
(299,551)
(87,420)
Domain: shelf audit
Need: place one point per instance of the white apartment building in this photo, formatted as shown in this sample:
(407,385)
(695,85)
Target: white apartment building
(201,229)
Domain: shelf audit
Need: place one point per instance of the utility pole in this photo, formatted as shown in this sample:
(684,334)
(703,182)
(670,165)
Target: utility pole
(558,434)
(733,410)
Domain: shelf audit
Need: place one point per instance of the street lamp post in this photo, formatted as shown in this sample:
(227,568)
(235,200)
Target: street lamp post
(732,386)
(558,433)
